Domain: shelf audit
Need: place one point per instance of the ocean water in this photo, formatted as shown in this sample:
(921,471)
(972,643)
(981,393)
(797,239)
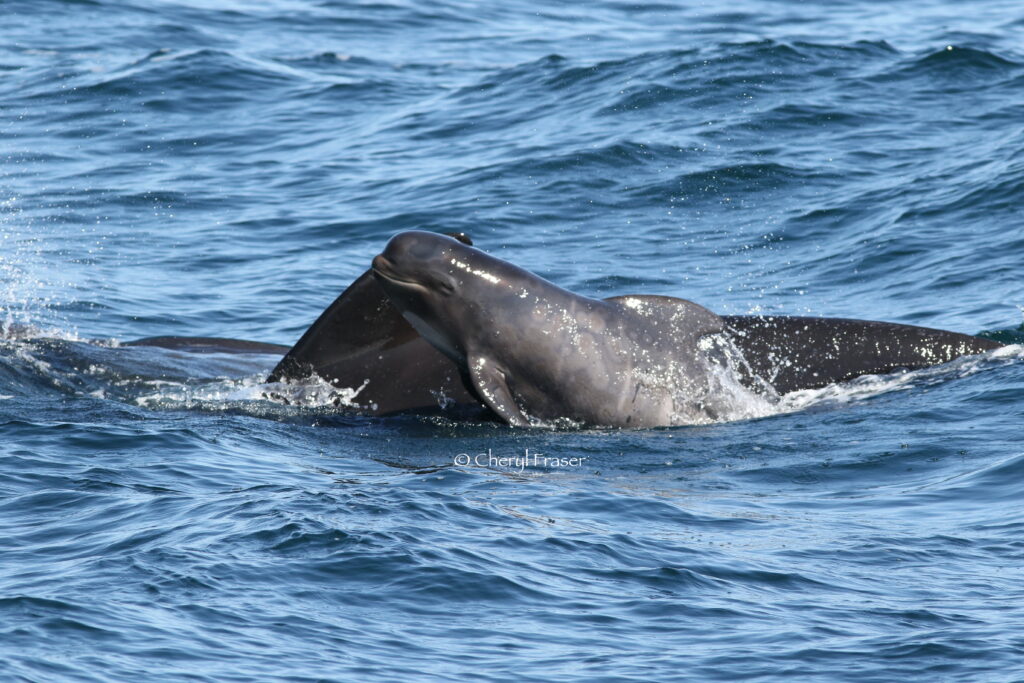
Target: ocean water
(181,167)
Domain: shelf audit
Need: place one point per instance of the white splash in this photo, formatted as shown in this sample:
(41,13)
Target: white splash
(311,393)
(869,386)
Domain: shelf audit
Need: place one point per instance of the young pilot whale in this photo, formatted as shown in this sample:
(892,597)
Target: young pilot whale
(532,351)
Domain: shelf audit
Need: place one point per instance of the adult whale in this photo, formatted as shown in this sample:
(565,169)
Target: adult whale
(530,350)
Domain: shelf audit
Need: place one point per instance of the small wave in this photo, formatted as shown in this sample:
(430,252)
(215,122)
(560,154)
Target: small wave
(727,181)
(11,330)
(999,191)
(1011,337)
(961,57)
(200,78)
(951,65)
(331,60)
(792,116)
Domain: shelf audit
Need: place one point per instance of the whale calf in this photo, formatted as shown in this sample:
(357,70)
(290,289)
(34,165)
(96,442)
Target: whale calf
(401,334)
(532,351)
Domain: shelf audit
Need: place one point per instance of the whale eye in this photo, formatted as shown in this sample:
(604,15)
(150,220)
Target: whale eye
(444,286)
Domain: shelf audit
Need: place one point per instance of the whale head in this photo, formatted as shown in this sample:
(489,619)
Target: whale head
(447,290)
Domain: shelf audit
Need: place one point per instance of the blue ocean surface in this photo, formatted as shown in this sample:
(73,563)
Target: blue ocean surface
(201,168)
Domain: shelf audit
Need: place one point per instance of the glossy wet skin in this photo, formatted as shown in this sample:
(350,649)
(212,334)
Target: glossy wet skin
(448,290)
(531,350)
(415,276)
(534,350)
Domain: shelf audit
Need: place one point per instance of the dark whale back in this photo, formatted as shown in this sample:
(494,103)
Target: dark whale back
(793,353)
(209,345)
(362,339)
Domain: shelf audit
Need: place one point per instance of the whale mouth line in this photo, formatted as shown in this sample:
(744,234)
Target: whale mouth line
(397,280)
(382,268)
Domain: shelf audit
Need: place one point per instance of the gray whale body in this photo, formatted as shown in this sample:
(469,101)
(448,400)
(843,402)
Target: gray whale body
(436,324)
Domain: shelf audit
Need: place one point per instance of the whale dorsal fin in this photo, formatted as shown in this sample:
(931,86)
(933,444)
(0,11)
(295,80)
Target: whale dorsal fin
(360,339)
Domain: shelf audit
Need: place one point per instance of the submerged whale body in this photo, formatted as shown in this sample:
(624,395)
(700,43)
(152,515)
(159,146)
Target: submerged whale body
(437,324)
